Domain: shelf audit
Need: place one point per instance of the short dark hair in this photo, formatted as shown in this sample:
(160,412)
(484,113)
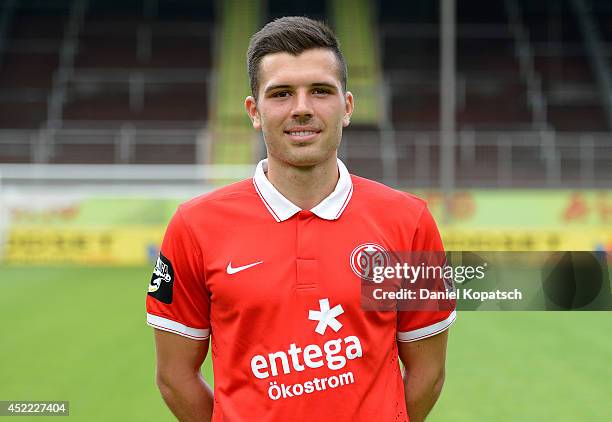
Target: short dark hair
(293,35)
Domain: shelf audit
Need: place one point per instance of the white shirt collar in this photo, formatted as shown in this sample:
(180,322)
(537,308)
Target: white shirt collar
(282,209)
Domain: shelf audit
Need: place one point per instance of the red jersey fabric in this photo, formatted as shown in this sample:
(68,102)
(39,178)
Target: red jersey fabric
(273,286)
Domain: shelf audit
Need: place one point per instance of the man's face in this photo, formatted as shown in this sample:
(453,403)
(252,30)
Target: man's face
(301,108)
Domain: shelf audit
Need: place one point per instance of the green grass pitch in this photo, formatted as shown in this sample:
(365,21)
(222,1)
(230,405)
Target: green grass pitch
(79,334)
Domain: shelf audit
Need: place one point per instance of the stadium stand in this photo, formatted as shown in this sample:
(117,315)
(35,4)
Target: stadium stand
(561,58)
(482,78)
(139,81)
(316,9)
(409,51)
(68,65)
(30,55)
(156,67)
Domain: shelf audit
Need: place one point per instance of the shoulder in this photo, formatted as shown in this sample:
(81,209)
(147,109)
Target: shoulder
(374,195)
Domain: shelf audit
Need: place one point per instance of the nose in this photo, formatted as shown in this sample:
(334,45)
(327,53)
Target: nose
(302,105)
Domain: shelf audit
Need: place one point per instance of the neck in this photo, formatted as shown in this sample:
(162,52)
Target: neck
(307,186)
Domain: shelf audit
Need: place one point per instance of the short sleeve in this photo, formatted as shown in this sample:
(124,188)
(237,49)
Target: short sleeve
(417,325)
(177,298)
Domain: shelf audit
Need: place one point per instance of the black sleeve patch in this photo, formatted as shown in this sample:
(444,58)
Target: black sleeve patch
(162,280)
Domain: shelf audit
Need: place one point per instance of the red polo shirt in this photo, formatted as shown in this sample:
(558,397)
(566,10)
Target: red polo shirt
(274,286)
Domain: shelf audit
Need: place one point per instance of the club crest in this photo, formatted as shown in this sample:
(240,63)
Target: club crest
(366,257)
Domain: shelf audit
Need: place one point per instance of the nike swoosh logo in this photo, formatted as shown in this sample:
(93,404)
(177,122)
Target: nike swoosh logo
(231,270)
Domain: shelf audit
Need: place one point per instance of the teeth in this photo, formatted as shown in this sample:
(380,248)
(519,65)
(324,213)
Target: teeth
(302,133)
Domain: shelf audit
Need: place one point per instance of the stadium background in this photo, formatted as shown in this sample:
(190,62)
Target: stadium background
(112,113)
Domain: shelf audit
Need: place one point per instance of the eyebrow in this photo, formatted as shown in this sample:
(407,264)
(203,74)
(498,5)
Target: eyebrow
(313,85)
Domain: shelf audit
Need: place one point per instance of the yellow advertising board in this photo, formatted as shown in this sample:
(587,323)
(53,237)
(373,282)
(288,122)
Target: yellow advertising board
(86,246)
(525,240)
(127,231)
(139,245)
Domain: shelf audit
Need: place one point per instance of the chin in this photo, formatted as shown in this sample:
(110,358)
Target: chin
(303,155)
(303,161)
(303,158)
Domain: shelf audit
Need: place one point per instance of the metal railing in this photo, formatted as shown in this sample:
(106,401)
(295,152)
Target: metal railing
(121,144)
(512,159)
(487,159)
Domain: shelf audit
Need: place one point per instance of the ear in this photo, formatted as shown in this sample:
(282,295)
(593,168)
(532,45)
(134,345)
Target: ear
(251,108)
(348,108)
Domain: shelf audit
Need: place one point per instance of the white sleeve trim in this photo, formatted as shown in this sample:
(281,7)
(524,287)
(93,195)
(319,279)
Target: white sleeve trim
(430,330)
(177,328)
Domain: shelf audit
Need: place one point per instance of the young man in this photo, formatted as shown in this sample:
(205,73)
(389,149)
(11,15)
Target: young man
(267,266)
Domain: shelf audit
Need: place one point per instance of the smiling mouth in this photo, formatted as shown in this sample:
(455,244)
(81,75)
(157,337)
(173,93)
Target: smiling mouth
(302,132)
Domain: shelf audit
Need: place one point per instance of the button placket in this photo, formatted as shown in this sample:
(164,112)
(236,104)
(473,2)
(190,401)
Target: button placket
(307,264)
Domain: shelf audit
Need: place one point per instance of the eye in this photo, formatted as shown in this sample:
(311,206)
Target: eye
(320,91)
(280,94)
